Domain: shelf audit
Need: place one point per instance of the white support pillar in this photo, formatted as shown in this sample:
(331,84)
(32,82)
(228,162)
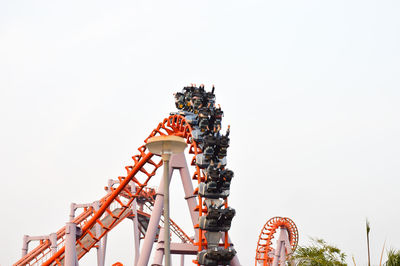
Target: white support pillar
(282,248)
(153,225)
(178,161)
(72,212)
(53,243)
(136,233)
(27,239)
(159,252)
(25,242)
(71,258)
(101,247)
(75,206)
(182,260)
(166,156)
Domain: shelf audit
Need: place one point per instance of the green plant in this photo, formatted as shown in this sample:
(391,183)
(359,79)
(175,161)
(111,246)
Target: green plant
(319,253)
(393,258)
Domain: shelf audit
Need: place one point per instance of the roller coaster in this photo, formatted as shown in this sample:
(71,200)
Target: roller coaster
(286,243)
(198,121)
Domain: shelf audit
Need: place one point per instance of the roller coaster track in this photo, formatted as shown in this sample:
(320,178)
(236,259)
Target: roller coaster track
(114,207)
(39,253)
(264,251)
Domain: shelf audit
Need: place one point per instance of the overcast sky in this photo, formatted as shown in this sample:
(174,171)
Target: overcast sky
(310,89)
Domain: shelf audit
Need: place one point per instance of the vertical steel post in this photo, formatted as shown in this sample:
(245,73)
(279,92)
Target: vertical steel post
(25,242)
(70,249)
(152,226)
(53,243)
(159,252)
(282,245)
(283,254)
(167,251)
(72,212)
(136,233)
(178,161)
(103,245)
(100,248)
(182,260)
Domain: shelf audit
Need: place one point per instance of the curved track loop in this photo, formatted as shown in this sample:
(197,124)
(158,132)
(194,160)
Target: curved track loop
(264,245)
(116,207)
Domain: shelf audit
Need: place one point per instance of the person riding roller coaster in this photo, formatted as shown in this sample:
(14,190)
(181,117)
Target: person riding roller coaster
(198,106)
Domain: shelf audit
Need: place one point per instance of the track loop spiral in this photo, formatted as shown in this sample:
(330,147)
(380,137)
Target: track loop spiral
(264,246)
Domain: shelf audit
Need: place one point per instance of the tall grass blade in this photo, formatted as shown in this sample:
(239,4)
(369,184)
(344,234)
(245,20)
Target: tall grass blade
(383,249)
(368,227)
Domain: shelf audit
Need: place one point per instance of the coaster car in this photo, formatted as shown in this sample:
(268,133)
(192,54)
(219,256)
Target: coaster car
(216,256)
(214,190)
(217,220)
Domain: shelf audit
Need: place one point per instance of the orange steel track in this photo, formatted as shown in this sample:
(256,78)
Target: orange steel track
(264,245)
(142,170)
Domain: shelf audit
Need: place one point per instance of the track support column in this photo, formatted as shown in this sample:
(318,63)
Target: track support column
(25,243)
(153,225)
(71,258)
(182,260)
(178,161)
(53,243)
(167,240)
(159,252)
(101,249)
(136,233)
(282,246)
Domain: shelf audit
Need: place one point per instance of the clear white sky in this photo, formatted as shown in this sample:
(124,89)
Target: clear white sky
(310,89)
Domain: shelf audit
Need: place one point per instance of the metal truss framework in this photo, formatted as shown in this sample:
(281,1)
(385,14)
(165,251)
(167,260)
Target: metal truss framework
(90,228)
